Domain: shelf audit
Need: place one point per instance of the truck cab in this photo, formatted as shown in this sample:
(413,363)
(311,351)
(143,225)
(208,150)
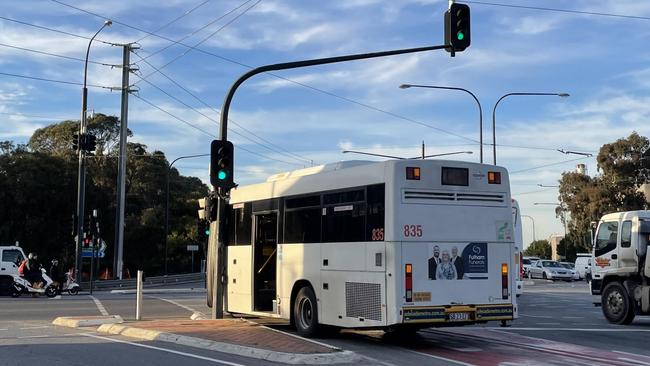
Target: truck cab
(10,258)
(620,265)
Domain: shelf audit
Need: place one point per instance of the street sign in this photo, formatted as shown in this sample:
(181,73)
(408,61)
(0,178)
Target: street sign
(99,252)
(192,248)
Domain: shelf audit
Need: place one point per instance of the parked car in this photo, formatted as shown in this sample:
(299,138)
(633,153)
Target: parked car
(583,265)
(571,267)
(527,262)
(549,270)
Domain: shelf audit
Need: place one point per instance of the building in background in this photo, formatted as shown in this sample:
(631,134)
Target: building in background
(554,241)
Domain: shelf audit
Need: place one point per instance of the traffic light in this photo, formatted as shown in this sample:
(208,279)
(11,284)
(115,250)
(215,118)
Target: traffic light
(203,229)
(457,27)
(222,161)
(90,142)
(75,142)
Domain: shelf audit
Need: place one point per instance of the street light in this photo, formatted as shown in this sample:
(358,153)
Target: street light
(480,110)
(533,220)
(81,182)
(494,134)
(169,168)
(547,186)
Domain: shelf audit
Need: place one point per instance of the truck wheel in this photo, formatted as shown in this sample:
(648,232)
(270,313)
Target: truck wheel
(305,312)
(616,304)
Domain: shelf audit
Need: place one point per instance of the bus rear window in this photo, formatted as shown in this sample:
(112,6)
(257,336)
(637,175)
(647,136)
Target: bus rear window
(455,176)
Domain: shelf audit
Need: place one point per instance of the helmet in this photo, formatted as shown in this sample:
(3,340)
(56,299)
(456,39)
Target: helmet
(31,256)
(55,261)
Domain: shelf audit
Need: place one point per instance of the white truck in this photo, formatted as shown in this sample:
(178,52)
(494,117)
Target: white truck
(10,258)
(620,265)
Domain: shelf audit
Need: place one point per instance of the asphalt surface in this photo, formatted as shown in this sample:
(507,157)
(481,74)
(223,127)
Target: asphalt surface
(558,325)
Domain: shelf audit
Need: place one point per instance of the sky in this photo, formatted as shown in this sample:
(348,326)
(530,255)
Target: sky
(191,51)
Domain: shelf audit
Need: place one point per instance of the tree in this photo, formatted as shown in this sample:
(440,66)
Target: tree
(38,195)
(538,248)
(623,169)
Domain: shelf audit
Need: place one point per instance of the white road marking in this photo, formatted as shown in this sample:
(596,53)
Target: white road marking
(164,350)
(40,327)
(99,305)
(536,316)
(635,355)
(440,358)
(579,329)
(4,329)
(636,362)
(573,317)
(176,303)
(548,323)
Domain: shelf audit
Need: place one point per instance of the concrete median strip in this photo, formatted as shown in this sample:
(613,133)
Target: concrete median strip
(86,321)
(335,357)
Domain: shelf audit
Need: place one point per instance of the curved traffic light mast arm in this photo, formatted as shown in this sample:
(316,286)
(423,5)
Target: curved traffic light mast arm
(223,135)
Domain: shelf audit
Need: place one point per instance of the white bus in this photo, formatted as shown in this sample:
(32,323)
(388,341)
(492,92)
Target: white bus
(397,245)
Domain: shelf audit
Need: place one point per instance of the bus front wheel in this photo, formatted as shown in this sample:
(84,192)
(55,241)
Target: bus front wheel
(305,312)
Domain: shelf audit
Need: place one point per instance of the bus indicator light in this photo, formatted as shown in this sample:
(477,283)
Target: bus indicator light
(408,282)
(494,177)
(412,173)
(504,281)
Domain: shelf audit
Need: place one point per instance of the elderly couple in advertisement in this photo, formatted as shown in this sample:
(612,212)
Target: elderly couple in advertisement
(445,266)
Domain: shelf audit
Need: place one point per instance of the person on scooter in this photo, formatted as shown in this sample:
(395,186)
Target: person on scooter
(55,275)
(33,271)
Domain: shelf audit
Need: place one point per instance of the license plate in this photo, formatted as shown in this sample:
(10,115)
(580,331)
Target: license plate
(458,317)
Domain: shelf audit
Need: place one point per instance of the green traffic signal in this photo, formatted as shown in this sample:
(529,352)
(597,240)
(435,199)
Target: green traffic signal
(207,232)
(460,36)
(222,174)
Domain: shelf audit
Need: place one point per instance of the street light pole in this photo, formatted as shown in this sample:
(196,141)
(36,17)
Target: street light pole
(480,110)
(533,221)
(81,181)
(494,134)
(169,168)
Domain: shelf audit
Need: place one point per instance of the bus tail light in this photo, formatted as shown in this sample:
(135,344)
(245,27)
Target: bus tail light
(412,173)
(504,281)
(408,279)
(494,177)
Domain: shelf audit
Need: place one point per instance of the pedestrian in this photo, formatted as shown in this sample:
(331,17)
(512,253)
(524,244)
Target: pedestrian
(55,275)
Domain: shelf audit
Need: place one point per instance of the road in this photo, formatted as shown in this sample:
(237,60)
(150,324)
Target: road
(558,325)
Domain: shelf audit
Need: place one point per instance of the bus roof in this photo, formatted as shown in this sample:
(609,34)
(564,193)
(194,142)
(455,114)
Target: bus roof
(340,175)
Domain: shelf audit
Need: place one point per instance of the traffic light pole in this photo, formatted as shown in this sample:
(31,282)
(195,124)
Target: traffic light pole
(217,251)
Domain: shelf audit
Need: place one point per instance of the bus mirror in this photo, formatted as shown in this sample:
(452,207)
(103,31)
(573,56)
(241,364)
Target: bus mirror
(593,225)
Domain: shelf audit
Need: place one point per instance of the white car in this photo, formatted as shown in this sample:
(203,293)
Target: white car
(571,267)
(549,270)
(527,262)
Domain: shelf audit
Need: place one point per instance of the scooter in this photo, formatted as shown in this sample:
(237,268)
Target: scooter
(70,285)
(22,286)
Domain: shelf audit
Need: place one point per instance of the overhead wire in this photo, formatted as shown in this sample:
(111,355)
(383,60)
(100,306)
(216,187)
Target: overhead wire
(276,149)
(186,13)
(198,30)
(558,10)
(57,31)
(395,115)
(547,165)
(205,39)
(208,133)
(55,55)
(59,81)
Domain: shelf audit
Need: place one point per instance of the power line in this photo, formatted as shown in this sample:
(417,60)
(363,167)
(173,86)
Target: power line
(55,55)
(196,31)
(57,30)
(209,134)
(188,12)
(59,81)
(275,75)
(277,149)
(558,10)
(204,39)
(547,165)
(34,116)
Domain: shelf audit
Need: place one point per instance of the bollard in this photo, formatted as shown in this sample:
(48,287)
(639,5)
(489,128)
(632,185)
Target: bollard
(138,297)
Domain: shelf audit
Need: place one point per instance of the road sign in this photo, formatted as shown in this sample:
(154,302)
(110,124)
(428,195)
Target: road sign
(99,253)
(192,248)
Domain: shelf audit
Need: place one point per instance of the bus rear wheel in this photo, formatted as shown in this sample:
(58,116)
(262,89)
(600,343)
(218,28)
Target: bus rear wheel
(305,312)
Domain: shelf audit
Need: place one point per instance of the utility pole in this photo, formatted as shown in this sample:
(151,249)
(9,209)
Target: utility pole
(121,175)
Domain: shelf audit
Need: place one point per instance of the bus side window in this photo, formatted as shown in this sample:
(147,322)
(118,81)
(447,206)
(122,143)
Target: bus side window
(302,220)
(375,219)
(240,225)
